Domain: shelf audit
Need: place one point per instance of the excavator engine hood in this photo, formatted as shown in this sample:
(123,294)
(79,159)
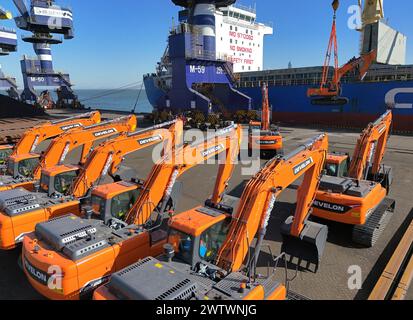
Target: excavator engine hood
(307,249)
(71,235)
(17,202)
(150,279)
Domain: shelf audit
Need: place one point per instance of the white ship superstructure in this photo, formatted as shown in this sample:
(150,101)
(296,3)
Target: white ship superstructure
(240,38)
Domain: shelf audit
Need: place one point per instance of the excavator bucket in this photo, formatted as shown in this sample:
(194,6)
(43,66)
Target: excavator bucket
(307,250)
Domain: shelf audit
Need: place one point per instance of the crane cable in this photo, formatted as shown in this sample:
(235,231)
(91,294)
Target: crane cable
(113,91)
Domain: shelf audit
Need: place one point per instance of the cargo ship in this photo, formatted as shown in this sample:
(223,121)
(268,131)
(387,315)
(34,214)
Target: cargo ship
(214,62)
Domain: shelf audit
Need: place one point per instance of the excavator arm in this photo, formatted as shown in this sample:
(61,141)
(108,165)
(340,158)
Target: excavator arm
(84,137)
(159,185)
(33,137)
(266,118)
(260,196)
(108,156)
(371,147)
(363,63)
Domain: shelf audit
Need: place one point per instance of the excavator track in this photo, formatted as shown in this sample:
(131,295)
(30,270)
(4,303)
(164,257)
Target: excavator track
(368,234)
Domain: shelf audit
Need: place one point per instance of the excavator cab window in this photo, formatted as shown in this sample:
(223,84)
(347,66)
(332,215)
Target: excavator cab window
(332,169)
(44,183)
(338,169)
(98,205)
(4,154)
(212,240)
(64,181)
(26,167)
(123,203)
(10,168)
(184,243)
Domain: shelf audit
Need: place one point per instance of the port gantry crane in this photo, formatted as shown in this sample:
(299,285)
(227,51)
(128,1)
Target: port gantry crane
(261,136)
(8,44)
(111,241)
(52,200)
(366,163)
(329,92)
(207,246)
(33,137)
(360,198)
(24,174)
(43,20)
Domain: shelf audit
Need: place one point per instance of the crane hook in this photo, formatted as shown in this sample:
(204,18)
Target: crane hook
(336,5)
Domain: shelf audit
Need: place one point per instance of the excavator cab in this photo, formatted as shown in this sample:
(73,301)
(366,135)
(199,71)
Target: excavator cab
(58,180)
(197,236)
(337,165)
(22,166)
(112,202)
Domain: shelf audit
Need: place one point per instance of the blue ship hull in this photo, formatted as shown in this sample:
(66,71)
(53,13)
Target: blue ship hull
(367,100)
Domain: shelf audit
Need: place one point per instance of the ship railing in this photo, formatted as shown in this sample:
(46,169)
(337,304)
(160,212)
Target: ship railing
(181,28)
(200,54)
(245,8)
(42,36)
(40,3)
(5,29)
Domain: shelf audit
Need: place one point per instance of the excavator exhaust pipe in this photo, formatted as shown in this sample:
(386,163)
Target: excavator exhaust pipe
(307,250)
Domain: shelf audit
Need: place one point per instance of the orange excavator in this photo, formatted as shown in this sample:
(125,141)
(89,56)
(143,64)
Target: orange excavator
(21,210)
(360,198)
(368,155)
(88,251)
(329,92)
(26,174)
(204,258)
(32,138)
(260,135)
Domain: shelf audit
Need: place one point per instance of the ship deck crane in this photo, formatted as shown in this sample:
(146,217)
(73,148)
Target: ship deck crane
(373,11)
(117,242)
(58,196)
(261,136)
(33,137)
(366,163)
(329,92)
(25,174)
(208,245)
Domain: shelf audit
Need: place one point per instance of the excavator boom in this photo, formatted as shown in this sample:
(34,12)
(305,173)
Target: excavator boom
(84,137)
(161,180)
(33,137)
(371,147)
(260,195)
(107,158)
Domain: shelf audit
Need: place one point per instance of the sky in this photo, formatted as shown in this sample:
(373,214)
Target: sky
(116,42)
